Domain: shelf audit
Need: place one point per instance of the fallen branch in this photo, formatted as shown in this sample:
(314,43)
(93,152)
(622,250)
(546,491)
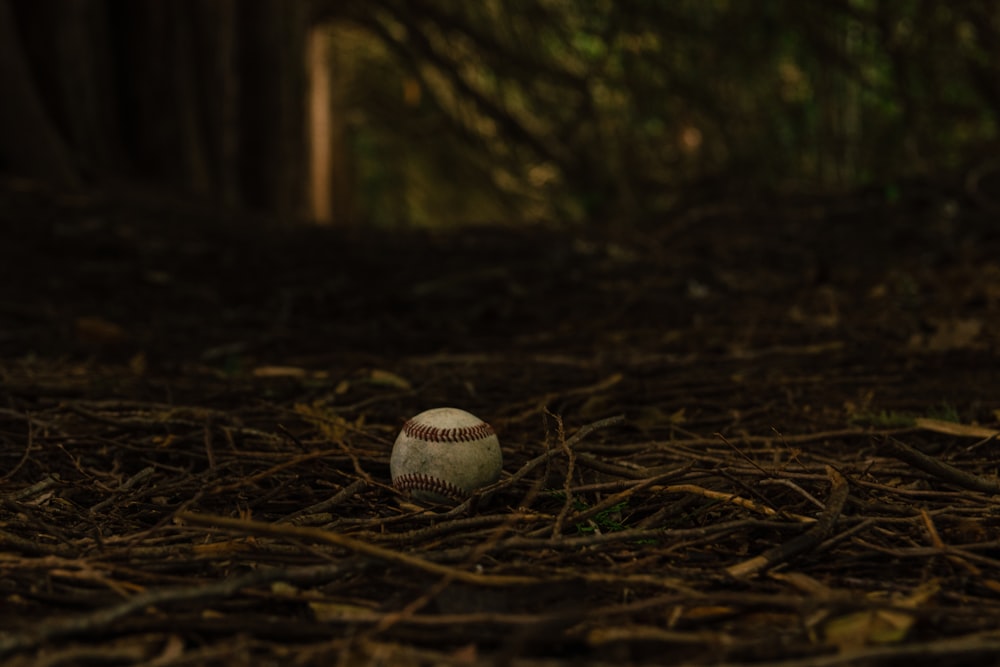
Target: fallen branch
(812,537)
(261,528)
(103,619)
(940,469)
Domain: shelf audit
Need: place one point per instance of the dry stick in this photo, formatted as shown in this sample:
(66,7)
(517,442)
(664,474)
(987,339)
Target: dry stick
(939,543)
(153,416)
(764,501)
(660,474)
(26,416)
(608,502)
(792,485)
(929,652)
(250,527)
(743,454)
(567,481)
(925,552)
(812,537)
(753,464)
(523,471)
(148,471)
(800,439)
(616,498)
(355,487)
(594,540)
(959,430)
(209,448)
(466,524)
(410,610)
(291,436)
(37,488)
(632,472)
(12,542)
(264,474)
(465,507)
(587,429)
(732,499)
(939,468)
(106,617)
(539,404)
(844,534)
(27,450)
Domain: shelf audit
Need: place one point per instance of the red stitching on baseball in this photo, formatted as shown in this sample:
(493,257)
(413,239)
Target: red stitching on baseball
(421,482)
(431,433)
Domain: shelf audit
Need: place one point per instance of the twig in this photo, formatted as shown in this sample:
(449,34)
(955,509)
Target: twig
(587,429)
(940,469)
(525,469)
(567,480)
(352,489)
(577,543)
(801,439)
(38,487)
(812,537)
(958,430)
(792,485)
(633,472)
(26,416)
(264,474)
(105,618)
(984,644)
(936,540)
(29,445)
(462,524)
(249,527)
(742,454)
(608,502)
(11,542)
(732,499)
(148,471)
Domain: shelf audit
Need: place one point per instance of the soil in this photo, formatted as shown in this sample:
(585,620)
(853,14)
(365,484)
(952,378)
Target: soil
(747,434)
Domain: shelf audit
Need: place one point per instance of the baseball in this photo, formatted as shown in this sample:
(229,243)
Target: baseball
(443,455)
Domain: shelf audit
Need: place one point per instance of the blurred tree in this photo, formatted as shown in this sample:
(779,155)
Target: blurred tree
(28,141)
(431,111)
(616,111)
(205,96)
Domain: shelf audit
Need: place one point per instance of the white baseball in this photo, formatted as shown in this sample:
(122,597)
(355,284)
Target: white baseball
(444,454)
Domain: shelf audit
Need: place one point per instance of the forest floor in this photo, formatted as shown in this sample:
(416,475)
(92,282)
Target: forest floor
(747,435)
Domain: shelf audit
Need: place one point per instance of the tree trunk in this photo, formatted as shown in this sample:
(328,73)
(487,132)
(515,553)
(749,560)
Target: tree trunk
(30,144)
(273,72)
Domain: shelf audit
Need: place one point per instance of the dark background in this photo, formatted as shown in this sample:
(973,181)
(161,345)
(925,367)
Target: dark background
(441,113)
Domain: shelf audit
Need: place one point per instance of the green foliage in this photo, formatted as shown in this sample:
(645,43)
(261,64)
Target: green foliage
(608,520)
(582,110)
(945,412)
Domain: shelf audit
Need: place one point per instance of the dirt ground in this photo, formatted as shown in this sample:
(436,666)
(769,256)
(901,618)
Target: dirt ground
(747,434)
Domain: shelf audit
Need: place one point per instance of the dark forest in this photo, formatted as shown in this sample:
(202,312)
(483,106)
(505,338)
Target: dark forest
(712,289)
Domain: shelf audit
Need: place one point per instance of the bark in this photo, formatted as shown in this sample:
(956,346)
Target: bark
(272,99)
(331,176)
(30,144)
